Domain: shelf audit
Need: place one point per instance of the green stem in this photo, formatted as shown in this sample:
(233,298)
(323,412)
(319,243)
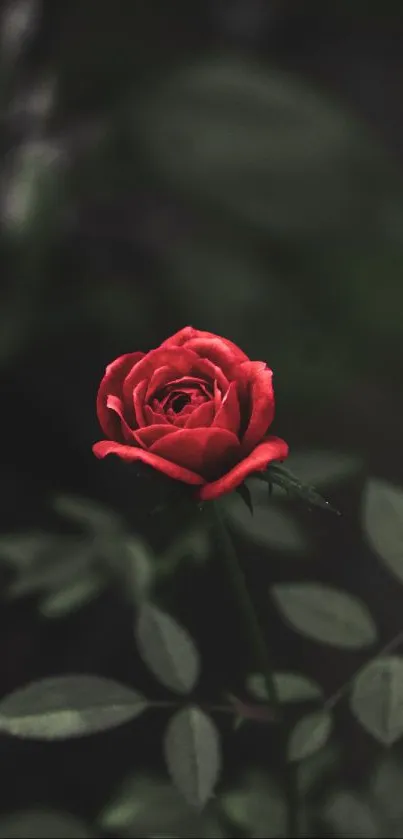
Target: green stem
(261,657)
(257,643)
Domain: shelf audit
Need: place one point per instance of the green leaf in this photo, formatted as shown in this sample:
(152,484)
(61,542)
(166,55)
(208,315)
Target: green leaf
(310,734)
(68,706)
(377,698)
(347,814)
(326,614)
(42,824)
(79,593)
(256,806)
(291,687)
(272,525)
(192,754)
(167,649)
(383,523)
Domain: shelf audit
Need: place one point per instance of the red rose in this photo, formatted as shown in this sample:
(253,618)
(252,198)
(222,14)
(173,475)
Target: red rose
(196,408)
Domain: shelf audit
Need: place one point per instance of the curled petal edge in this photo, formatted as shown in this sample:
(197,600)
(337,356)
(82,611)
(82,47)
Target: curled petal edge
(132,453)
(272,448)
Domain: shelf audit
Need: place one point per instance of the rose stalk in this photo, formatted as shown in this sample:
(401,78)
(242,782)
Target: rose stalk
(198,410)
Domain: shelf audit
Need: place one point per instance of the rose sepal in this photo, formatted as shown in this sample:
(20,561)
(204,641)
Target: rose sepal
(277,475)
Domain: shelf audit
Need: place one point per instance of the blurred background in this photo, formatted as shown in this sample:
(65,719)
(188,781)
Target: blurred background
(235,165)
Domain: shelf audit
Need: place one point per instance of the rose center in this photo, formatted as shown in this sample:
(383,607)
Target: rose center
(181,397)
(178,402)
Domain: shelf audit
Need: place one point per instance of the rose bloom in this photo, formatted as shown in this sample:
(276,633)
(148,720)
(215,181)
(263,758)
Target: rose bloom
(196,408)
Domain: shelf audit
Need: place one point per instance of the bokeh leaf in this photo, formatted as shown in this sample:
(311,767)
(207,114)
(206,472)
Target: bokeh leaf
(326,614)
(65,565)
(192,544)
(347,814)
(31,199)
(291,687)
(21,551)
(73,596)
(317,769)
(18,23)
(87,513)
(227,285)
(310,734)
(192,754)
(42,824)
(146,805)
(386,784)
(377,698)
(167,649)
(383,522)
(139,569)
(61,707)
(256,806)
(255,142)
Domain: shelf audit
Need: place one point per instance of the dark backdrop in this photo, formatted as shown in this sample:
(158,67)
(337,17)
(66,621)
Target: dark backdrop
(234,165)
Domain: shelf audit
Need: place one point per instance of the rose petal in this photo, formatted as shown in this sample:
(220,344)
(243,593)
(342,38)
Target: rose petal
(273,448)
(179,420)
(132,453)
(202,416)
(228,415)
(154,417)
(217,397)
(211,372)
(261,408)
(113,403)
(177,359)
(186,410)
(151,433)
(205,451)
(138,403)
(163,378)
(180,337)
(159,378)
(217,351)
(112,383)
(188,333)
